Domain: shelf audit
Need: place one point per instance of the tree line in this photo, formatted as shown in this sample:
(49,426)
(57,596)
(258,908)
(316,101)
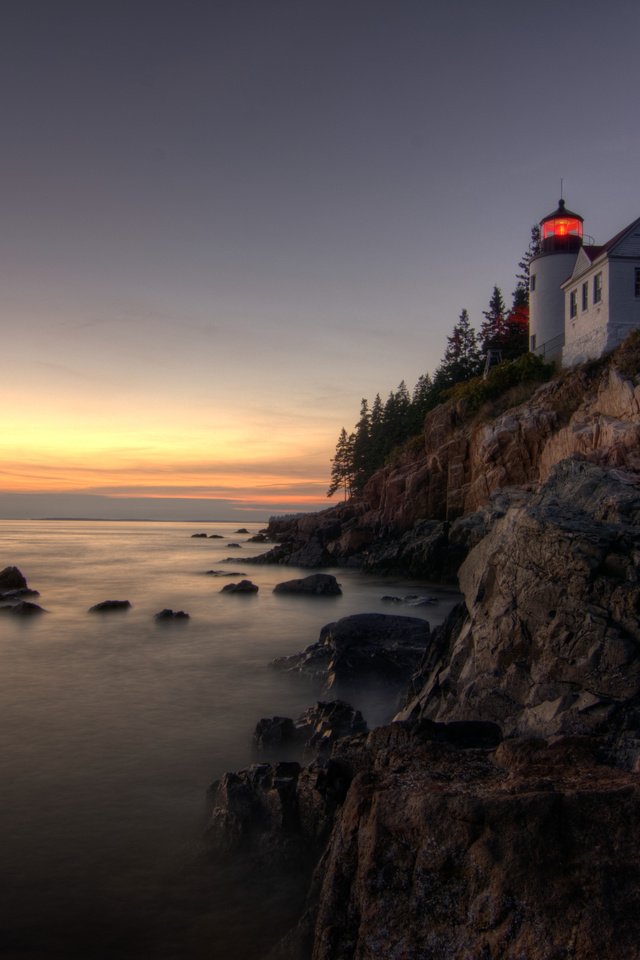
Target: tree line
(503,333)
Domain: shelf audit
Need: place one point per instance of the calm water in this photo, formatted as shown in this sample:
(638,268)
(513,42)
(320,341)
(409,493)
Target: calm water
(113,726)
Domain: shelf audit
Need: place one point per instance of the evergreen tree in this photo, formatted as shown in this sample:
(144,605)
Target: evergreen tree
(422,400)
(376,435)
(342,465)
(494,326)
(362,448)
(462,358)
(521,292)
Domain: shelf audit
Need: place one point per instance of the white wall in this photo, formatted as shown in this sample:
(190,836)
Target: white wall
(546,301)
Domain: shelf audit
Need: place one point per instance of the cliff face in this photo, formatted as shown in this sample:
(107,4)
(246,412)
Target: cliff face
(461,463)
(498,817)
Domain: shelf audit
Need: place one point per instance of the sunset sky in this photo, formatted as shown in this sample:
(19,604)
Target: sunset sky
(226,221)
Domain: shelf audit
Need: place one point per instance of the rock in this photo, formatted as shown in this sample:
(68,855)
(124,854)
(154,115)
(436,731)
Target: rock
(314,732)
(242,530)
(12,579)
(21,592)
(215,536)
(550,639)
(168,614)
(198,536)
(233,544)
(431,847)
(258,538)
(224,573)
(244,586)
(317,584)
(272,733)
(363,649)
(23,608)
(109,606)
(412,599)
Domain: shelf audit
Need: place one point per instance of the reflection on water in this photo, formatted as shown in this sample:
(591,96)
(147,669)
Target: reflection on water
(112,726)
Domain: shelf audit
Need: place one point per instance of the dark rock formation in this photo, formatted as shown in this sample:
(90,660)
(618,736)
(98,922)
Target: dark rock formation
(216,536)
(243,586)
(109,606)
(12,579)
(242,530)
(317,584)
(224,573)
(551,643)
(198,536)
(168,614)
(23,608)
(233,545)
(313,733)
(258,538)
(363,649)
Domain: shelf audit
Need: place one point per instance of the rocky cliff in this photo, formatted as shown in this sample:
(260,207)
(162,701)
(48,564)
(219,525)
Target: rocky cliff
(423,512)
(498,816)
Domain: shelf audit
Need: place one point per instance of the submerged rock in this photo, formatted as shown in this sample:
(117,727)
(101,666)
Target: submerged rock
(168,614)
(317,584)
(244,586)
(198,536)
(109,606)
(24,608)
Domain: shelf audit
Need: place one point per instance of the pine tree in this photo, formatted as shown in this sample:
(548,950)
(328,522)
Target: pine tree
(521,292)
(462,359)
(494,326)
(361,452)
(342,465)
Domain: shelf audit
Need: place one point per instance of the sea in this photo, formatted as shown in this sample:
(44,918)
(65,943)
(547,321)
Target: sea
(113,726)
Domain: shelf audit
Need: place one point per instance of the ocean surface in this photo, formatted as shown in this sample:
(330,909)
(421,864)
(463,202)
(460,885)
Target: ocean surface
(113,726)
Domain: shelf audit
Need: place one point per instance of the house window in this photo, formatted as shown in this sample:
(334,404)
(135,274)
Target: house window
(532,282)
(597,288)
(585,296)
(573,304)
(637,282)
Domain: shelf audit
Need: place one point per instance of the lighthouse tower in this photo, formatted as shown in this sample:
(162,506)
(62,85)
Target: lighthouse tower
(560,241)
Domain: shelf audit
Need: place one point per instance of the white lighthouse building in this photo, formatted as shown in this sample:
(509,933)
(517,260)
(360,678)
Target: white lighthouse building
(560,240)
(584,299)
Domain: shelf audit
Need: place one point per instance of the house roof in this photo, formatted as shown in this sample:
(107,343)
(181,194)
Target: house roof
(595,252)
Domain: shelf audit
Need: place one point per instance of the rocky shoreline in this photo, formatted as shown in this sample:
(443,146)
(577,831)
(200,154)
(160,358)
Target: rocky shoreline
(498,816)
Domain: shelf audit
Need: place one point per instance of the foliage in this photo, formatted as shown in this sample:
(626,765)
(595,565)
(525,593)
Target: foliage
(385,427)
(526,369)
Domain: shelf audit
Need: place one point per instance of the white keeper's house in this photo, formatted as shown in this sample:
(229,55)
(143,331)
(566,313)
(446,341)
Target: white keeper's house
(583,299)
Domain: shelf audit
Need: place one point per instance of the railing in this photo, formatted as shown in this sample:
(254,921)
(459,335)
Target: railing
(552,346)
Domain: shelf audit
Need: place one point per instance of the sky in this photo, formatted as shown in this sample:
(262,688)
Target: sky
(224,222)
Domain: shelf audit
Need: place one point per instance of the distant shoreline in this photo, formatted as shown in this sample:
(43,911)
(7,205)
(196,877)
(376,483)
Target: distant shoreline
(126,520)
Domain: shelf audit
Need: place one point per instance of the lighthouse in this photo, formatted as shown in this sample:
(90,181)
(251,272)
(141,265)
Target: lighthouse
(560,241)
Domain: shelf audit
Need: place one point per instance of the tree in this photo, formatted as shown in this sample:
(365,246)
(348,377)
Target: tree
(361,453)
(521,292)
(462,358)
(342,465)
(494,326)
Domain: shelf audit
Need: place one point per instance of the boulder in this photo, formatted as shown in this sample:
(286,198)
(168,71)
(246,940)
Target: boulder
(215,536)
(242,530)
(244,586)
(198,536)
(168,614)
(317,585)
(362,650)
(12,579)
(109,606)
(24,608)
